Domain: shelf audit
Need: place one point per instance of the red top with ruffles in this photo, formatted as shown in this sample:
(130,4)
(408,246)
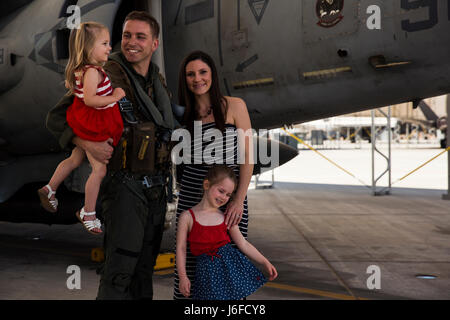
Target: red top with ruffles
(94,124)
(207,239)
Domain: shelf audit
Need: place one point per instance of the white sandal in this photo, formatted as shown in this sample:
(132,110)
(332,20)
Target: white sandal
(89,225)
(44,196)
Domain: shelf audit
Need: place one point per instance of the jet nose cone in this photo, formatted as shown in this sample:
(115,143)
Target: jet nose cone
(287,152)
(277,154)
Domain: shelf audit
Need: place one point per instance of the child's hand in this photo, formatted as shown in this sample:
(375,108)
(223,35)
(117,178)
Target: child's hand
(271,271)
(118,93)
(185,286)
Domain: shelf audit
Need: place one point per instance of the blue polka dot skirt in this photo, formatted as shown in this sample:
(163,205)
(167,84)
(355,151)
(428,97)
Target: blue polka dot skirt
(226,275)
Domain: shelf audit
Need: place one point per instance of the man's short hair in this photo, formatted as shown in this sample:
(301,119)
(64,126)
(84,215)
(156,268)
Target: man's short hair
(144,16)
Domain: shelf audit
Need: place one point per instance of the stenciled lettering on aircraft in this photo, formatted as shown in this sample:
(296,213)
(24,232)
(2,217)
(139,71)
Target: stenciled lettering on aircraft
(433,10)
(329,12)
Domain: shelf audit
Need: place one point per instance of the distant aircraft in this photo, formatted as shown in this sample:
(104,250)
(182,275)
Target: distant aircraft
(435,121)
(291,61)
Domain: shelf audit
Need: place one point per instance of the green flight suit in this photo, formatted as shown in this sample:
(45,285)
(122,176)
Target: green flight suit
(134,224)
(133,214)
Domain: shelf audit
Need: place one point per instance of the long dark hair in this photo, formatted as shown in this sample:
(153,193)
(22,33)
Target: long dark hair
(186,97)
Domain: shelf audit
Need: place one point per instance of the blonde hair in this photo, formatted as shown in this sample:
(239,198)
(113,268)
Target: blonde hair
(81,43)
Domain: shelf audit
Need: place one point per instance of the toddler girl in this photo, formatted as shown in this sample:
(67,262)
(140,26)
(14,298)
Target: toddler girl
(94,116)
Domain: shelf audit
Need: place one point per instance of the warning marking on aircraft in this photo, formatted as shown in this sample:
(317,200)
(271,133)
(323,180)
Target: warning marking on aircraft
(254,83)
(243,65)
(326,73)
(258,8)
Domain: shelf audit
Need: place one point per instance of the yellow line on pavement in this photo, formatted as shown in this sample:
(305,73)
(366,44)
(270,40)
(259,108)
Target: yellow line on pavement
(351,174)
(331,161)
(314,292)
(286,287)
(446,150)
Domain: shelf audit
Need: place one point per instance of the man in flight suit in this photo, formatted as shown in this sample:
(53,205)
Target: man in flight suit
(133,200)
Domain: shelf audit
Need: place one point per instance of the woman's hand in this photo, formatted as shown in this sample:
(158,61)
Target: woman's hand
(234,212)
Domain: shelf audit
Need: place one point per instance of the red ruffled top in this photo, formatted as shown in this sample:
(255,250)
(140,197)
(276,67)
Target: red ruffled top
(207,239)
(94,124)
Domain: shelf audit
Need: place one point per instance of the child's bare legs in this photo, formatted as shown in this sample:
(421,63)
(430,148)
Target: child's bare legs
(66,166)
(92,188)
(63,170)
(93,182)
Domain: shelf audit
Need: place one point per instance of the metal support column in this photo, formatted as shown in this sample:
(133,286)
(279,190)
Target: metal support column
(374,136)
(155,9)
(264,186)
(270,135)
(447,196)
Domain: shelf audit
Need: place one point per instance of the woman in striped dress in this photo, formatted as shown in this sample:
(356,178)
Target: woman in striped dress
(213,120)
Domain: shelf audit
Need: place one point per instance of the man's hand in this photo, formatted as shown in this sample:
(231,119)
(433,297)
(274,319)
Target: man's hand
(101,151)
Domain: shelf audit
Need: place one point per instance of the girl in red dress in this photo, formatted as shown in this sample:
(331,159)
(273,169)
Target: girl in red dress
(222,271)
(94,115)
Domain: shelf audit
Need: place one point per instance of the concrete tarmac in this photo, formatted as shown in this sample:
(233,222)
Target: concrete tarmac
(329,240)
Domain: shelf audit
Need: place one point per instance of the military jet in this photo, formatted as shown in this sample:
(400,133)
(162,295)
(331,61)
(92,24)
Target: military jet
(291,61)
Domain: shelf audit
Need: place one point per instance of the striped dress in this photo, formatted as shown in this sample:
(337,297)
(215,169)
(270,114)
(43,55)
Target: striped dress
(99,123)
(208,148)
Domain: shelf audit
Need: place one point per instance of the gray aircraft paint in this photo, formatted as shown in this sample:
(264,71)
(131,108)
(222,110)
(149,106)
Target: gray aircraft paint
(273,54)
